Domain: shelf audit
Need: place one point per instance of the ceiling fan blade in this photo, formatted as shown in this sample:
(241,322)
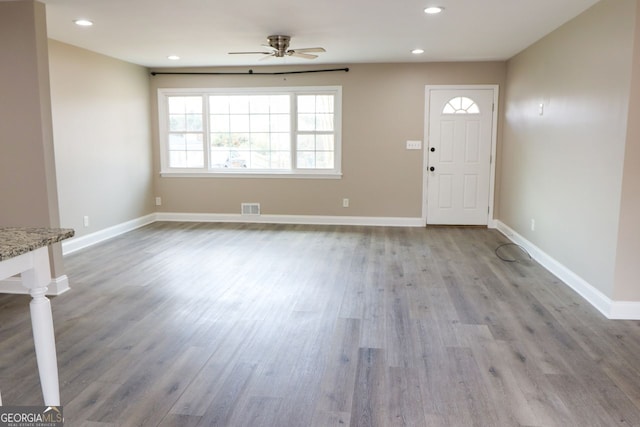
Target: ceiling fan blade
(270,55)
(309,49)
(278,45)
(249,53)
(301,55)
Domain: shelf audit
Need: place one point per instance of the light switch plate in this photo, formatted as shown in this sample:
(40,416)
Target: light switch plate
(414,145)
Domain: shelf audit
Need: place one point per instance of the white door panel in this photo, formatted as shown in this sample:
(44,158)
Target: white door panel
(470,192)
(459,158)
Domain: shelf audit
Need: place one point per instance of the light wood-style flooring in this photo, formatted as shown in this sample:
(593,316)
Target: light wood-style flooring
(187,324)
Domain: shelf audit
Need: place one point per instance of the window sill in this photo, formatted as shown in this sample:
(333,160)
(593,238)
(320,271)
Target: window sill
(262,175)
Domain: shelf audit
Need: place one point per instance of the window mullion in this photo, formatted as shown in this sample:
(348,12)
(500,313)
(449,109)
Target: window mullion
(294,130)
(206,131)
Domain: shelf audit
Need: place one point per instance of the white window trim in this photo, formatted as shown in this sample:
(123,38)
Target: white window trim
(166,171)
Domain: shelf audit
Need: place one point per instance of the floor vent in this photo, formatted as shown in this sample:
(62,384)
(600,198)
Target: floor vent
(250,208)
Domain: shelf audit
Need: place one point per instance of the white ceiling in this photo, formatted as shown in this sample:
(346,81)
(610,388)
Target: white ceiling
(201,32)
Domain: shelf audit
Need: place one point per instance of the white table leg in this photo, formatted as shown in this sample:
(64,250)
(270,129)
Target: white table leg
(44,340)
(37,279)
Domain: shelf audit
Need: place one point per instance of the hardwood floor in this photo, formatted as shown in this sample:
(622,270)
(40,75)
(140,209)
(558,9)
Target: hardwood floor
(185,324)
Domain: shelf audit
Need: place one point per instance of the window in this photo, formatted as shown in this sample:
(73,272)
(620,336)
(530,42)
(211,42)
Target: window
(186,133)
(251,132)
(461,105)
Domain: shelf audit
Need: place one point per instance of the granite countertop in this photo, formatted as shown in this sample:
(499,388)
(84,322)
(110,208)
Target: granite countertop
(15,241)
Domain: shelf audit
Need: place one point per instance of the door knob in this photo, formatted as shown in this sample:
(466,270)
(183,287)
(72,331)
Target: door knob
(432,168)
(433,149)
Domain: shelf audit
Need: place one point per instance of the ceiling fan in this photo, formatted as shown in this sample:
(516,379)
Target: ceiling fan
(280,48)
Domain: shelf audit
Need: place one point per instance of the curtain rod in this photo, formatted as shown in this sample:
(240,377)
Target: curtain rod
(250,72)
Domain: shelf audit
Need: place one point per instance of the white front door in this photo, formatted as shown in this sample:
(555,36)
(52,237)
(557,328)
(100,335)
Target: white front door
(459,153)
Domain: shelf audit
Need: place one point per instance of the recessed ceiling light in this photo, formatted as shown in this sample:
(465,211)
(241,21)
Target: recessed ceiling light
(173,57)
(417,51)
(83,22)
(432,10)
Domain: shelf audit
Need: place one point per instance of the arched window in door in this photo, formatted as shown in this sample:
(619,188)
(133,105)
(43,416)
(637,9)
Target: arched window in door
(461,105)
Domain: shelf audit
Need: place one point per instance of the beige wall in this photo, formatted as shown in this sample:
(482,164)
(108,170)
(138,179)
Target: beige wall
(28,194)
(383,106)
(26,156)
(102,138)
(627,277)
(564,169)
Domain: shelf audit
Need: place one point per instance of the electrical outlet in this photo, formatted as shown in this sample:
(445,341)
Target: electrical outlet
(85,220)
(533,224)
(345,203)
(158,201)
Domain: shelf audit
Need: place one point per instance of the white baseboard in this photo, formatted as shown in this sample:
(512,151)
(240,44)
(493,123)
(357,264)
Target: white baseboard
(13,285)
(292,219)
(625,310)
(611,309)
(77,243)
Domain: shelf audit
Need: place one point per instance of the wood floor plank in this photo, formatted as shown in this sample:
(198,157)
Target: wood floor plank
(94,424)
(200,324)
(144,398)
(198,397)
(471,389)
(259,411)
(373,297)
(178,420)
(404,402)
(82,407)
(398,338)
(330,419)
(583,411)
(496,373)
(221,409)
(547,407)
(336,390)
(368,408)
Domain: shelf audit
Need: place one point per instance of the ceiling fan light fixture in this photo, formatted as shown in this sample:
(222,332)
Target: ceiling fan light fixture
(433,10)
(417,51)
(173,57)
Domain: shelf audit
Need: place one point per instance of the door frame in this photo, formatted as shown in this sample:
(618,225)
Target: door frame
(491,223)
